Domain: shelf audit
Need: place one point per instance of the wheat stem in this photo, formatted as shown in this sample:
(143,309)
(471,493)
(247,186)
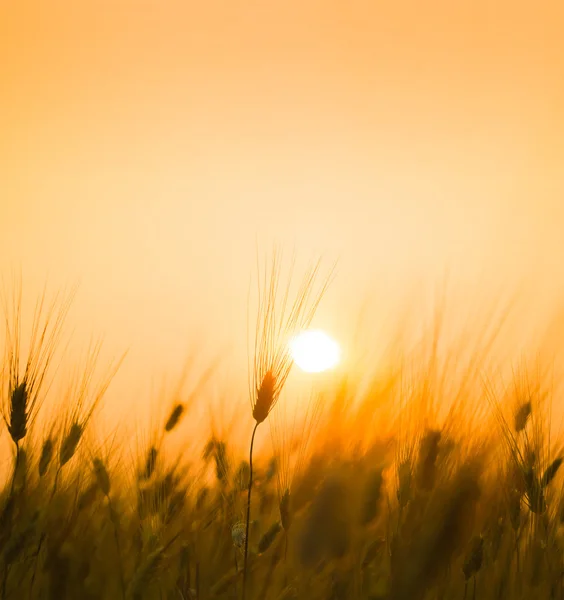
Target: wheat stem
(118,546)
(248,512)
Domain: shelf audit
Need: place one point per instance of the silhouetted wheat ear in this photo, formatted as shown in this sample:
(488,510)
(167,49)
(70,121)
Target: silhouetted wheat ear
(102,476)
(151,462)
(265,398)
(70,443)
(18,412)
(46,456)
(522,416)
(268,537)
(174,417)
(221,460)
(551,471)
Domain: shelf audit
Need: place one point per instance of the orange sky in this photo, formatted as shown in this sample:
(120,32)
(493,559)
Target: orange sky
(146,145)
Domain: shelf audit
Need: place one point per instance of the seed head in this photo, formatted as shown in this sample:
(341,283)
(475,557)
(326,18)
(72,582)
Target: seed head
(24,386)
(278,320)
(102,476)
(151,462)
(70,443)
(174,417)
(18,412)
(46,456)
(522,416)
(268,537)
(550,472)
(221,459)
(265,398)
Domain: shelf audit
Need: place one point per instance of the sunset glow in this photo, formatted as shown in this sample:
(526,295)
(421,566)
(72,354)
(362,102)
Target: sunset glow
(314,351)
(282,299)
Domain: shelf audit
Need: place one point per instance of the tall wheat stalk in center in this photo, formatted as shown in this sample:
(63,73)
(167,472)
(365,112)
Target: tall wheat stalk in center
(278,320)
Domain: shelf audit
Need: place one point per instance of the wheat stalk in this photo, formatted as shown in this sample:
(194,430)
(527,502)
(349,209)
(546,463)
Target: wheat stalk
(277,322)
(24,387)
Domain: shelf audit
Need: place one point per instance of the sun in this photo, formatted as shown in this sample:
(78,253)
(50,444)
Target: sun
(314,351)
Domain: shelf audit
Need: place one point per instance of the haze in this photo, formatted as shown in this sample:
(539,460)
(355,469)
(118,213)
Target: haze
(147,148)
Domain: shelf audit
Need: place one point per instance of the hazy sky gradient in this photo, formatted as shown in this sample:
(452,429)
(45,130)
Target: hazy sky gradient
(147,145)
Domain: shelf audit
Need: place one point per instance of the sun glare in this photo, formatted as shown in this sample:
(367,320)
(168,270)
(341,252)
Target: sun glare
(314,351)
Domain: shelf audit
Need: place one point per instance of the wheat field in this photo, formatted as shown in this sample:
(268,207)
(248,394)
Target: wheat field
(364,491)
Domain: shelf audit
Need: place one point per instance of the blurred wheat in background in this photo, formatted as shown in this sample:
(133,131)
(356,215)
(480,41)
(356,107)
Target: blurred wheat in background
(424,481)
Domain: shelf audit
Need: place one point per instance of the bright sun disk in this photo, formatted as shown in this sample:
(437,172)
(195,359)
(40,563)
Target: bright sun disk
(314,351)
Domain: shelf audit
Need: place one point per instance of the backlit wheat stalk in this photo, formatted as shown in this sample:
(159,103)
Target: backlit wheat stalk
(278,320)
(23,383)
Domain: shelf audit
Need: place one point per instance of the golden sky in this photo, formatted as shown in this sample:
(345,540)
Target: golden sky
(146,146)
